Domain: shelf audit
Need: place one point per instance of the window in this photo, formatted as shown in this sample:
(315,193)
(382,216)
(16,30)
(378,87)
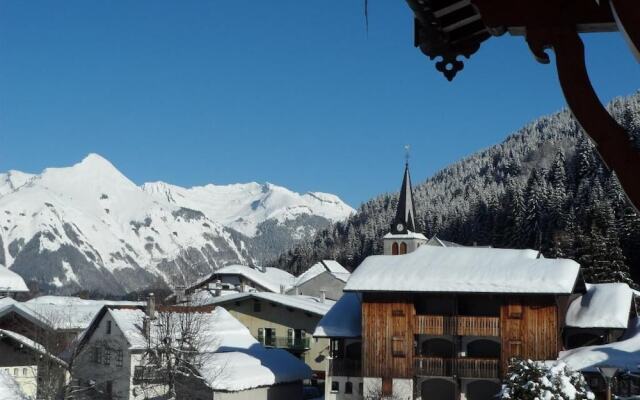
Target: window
(348,388)
(119,358)
(257,306)
(24,372)
(515,348)
(97,355)
(16,371)
(394,249)
(403,248)
(514,311)
(107,356)
(360,388)
(108,327)
(335,387)
(397,346)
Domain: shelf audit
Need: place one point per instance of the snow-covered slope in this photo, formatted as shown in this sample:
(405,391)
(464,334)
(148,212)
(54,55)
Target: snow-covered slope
(89,227)
(244,207)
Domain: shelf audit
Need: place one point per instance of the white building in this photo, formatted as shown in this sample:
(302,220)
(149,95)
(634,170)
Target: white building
(11,284)
(325,278)
(113,361)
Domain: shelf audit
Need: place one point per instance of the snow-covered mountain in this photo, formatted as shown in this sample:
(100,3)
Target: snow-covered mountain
(89,227)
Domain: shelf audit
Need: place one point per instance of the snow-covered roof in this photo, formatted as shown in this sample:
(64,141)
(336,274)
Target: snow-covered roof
(71,313)
(241,363)
(306,303)
(269,278)
(605,305)
(344,319)
(10,389)
(129,321)
(9,305)
(11,282)
(465,269)
(37,347)
(624,354)
(436,241)
(408,235)
(331,266)
(232,359)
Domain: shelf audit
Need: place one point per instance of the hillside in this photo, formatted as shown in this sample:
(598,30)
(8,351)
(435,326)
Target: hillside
(88,227)
(543,187)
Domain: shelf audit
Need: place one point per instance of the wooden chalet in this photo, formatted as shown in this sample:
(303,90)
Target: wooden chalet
(442,323)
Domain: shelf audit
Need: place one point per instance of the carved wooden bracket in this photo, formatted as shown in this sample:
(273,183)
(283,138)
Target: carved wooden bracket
(554,24)
(612,141)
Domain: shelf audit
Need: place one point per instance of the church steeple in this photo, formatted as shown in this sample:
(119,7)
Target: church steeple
(406,211)
(403,237)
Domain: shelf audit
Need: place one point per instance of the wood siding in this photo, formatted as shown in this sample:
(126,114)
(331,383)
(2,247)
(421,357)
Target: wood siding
(387,339)
(529,329)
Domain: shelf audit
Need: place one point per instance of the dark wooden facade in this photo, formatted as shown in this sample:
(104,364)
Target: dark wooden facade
(387,338)
(527,327)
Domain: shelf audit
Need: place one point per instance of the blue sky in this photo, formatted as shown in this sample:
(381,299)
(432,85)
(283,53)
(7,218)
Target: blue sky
(291,92)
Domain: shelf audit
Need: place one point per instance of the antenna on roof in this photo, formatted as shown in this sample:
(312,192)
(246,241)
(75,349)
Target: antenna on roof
(407,149)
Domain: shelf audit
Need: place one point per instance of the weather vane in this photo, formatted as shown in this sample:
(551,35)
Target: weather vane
(406,153)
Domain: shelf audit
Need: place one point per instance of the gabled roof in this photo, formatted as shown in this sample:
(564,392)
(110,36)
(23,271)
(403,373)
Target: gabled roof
(604,305)
(25,341)
(436,241)
(309,304)
(129,321)
(11,282)
(269,278)
(9,305)
(623,354)
(344,319)
(331,266)
(465,269)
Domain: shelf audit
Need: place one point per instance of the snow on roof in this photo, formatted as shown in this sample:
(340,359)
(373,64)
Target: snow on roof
(343,320)
(11,282)
(9,305)
(465,269)
(436,241)
(232,359)
(330,266)
(71,313)
(605,305)
(129,321)
(624,354)
(306,303)
(241,363)
(270,278)
(408,235)
(30,344)
(10,389)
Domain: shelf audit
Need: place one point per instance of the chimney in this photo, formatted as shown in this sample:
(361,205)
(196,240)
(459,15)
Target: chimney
(151,306)
(218,288)
(180,291)
(282,289)
(146,327)
(323,296)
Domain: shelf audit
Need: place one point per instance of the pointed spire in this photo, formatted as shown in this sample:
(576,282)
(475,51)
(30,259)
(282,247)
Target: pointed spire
(405,213)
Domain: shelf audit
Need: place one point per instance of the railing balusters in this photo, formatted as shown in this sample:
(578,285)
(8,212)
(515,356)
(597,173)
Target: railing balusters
(457,325)
(462,367)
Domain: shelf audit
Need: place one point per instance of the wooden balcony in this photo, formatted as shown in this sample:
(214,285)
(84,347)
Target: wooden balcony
(461,367)
(458,325)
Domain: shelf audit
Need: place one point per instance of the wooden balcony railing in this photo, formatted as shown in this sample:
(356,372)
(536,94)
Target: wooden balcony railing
(439,325)
(345,367)
(285,342)
(460,367)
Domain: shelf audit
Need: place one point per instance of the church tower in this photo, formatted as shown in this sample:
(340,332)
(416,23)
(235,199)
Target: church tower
(403,237)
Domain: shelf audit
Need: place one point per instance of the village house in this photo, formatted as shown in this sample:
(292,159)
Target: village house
(283,321)
(36,371)
(325,278)
(442,322)
(113,359)
(11,284)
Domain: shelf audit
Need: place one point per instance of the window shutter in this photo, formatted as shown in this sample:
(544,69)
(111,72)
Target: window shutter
(261,335)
